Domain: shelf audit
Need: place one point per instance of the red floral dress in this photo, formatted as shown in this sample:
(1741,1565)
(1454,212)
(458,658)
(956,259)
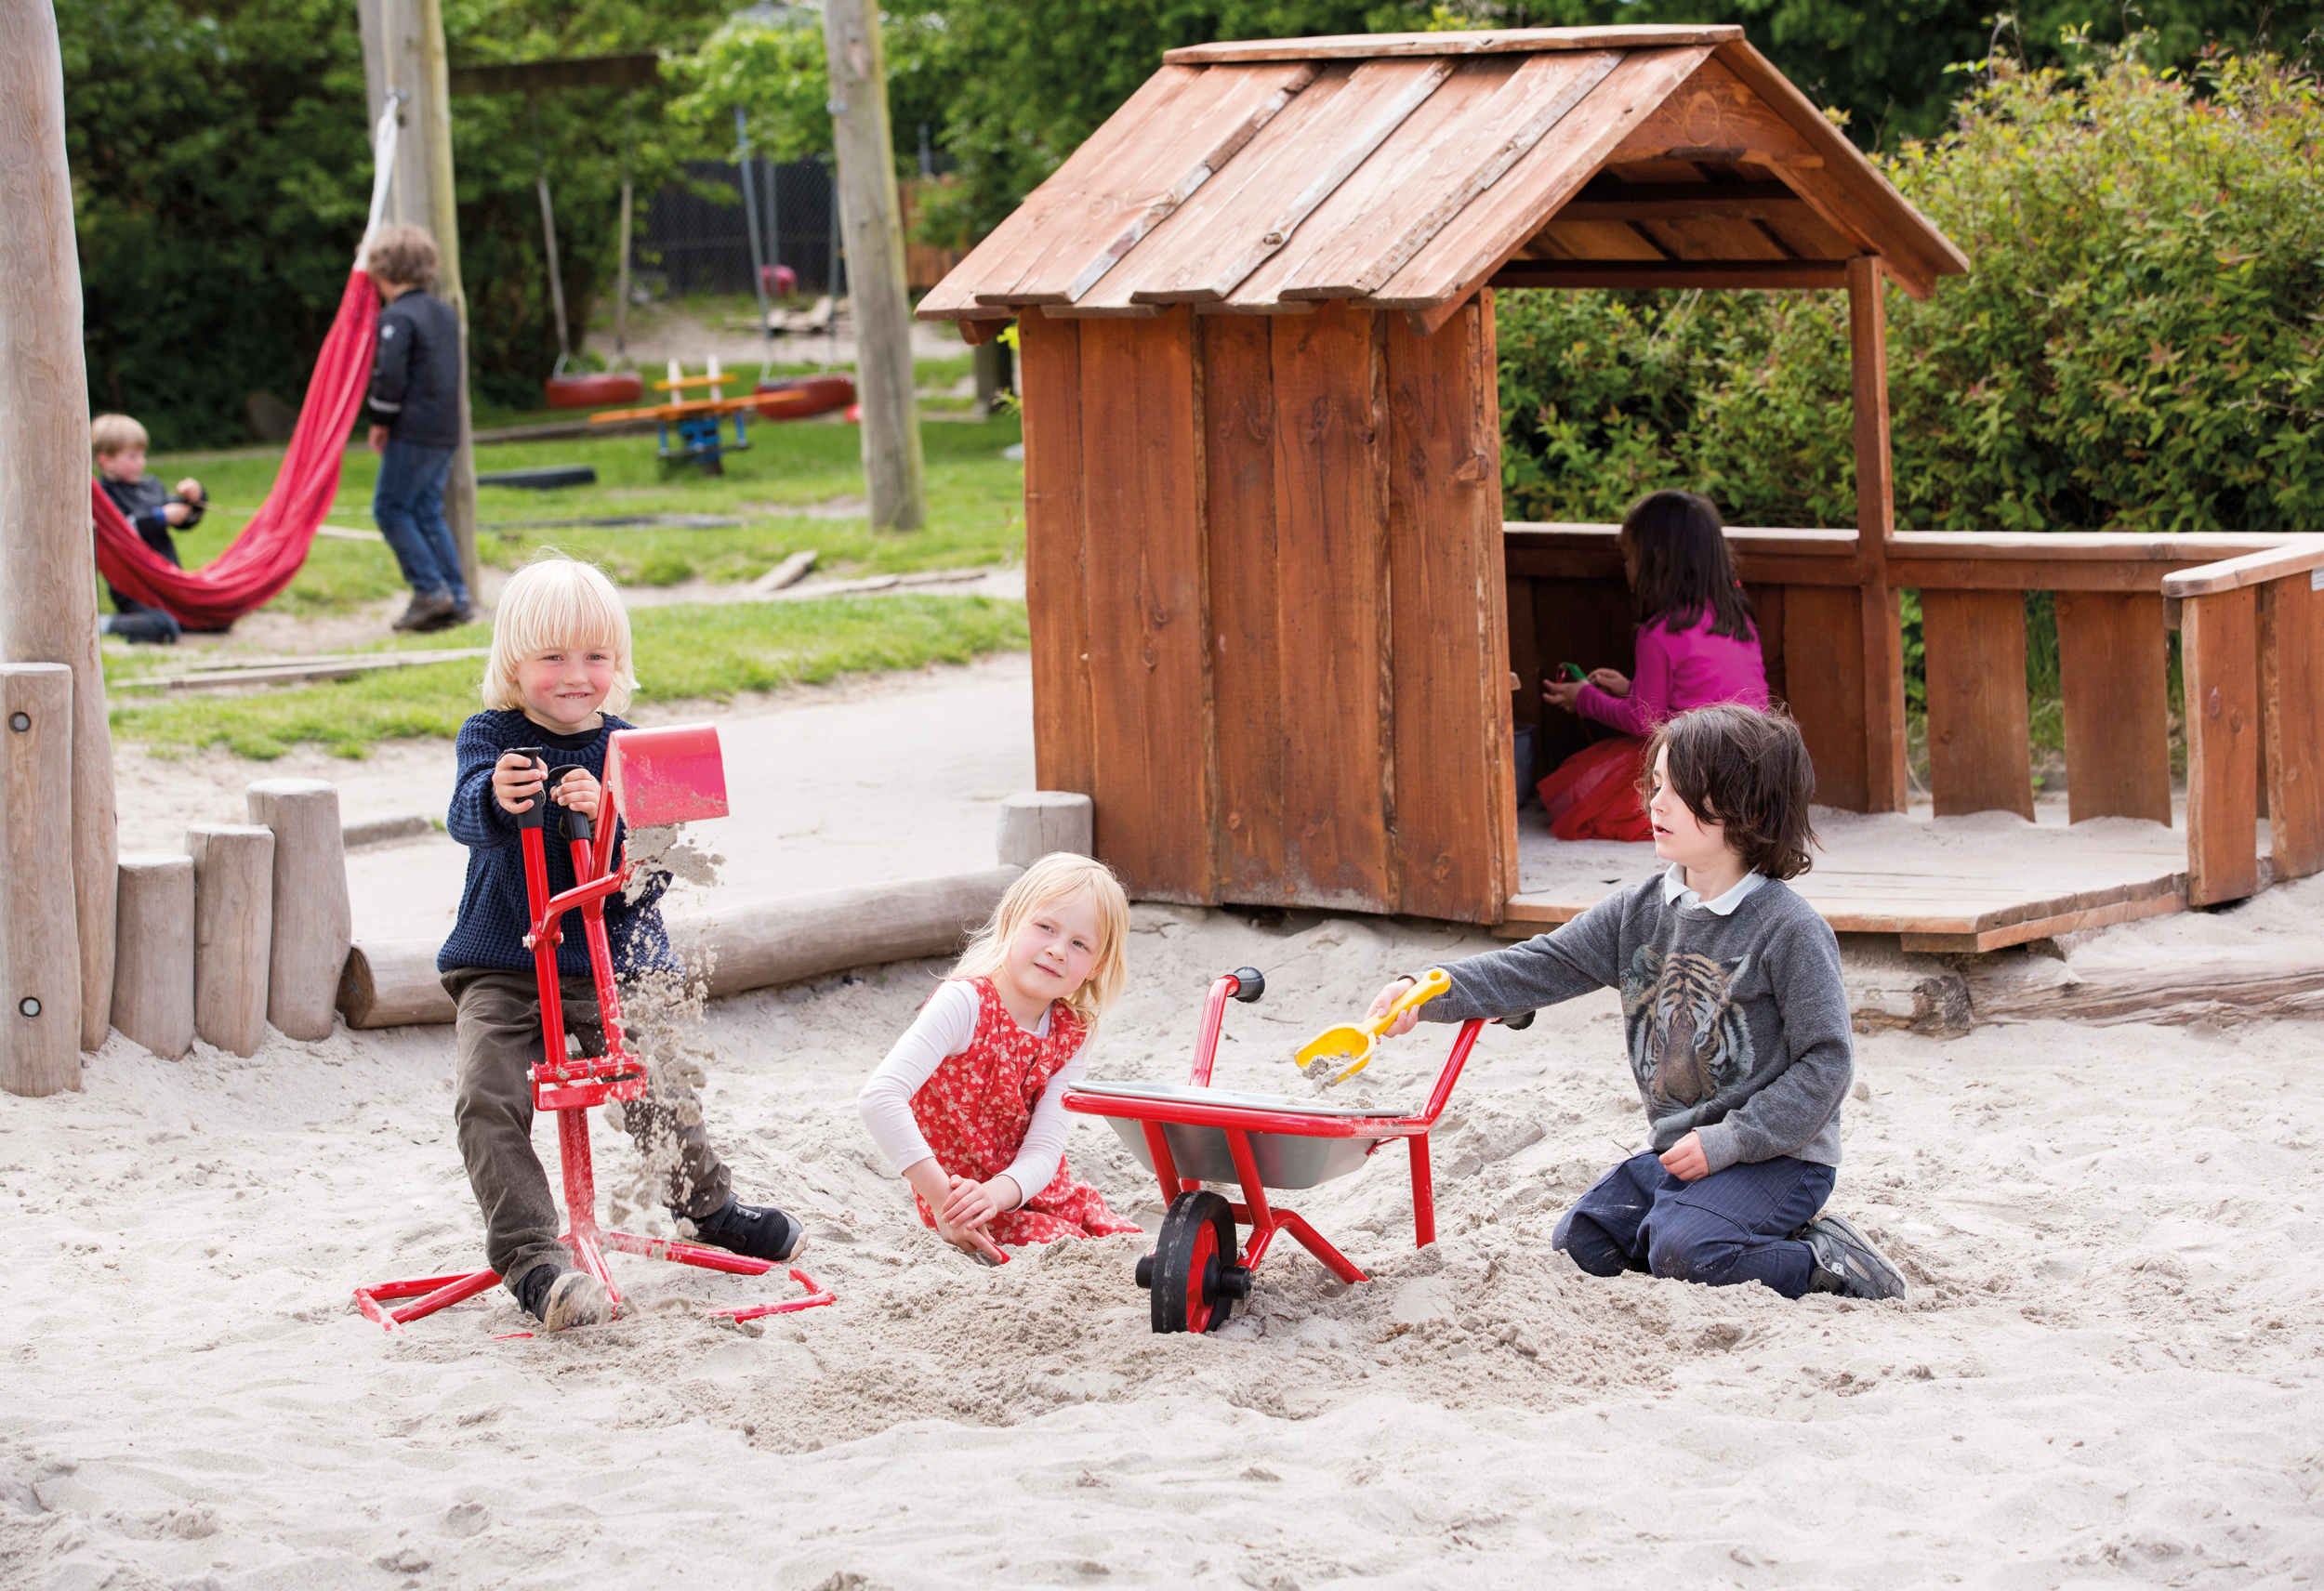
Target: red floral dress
(974,1111)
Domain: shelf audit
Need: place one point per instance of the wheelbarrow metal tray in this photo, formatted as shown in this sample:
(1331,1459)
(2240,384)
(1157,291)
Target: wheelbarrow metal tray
(1294,1143)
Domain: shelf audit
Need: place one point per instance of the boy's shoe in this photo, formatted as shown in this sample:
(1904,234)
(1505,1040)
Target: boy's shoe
(560,1297)
(427,608)
(1847,1263)
(759,1230)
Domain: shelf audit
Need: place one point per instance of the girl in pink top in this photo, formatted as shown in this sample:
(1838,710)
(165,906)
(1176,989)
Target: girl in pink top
(1697,647)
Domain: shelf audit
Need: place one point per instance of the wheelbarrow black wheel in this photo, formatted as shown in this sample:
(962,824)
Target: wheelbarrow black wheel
(1193,1272)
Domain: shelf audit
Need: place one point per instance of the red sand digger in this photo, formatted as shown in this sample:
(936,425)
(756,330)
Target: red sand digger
(1192,1134)
(652,777)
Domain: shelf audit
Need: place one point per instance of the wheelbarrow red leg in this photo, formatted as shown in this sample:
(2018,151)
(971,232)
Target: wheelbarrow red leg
(653,776)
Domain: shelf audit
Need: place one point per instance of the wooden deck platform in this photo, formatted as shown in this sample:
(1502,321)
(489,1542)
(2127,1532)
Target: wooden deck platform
(1973,883)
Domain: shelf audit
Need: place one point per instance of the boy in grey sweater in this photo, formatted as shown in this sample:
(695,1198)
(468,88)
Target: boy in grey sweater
(1735,1019)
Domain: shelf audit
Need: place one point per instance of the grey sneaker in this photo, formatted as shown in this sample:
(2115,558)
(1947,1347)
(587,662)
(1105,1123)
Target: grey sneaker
(428,609)
(1847,1263)
(562,1298)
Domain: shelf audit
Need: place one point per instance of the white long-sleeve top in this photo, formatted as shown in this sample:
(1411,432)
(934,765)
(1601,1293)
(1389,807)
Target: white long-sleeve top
(945,1027)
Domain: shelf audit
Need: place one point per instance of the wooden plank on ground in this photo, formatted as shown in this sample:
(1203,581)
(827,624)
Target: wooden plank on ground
(1455,799)
(1980,759)
(2219,657)
(1331,529)
(2114,661)
(1156,168)
(1238,425)
(1056,597)
(1823,645)
(1408,192)
(1149,675)
(2045,927)
(1282,179)
(1475,244)
(2292,696)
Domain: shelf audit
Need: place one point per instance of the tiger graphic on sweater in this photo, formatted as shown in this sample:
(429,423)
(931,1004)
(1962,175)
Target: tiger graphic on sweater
(1687,1039)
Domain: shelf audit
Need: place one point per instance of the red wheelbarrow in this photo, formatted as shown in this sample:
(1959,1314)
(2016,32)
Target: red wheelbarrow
(670,775)
(1194,1133)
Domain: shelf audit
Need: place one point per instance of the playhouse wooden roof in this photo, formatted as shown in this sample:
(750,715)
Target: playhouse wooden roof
(1406,170)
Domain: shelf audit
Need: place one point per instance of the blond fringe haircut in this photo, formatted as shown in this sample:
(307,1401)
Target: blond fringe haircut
(556,603)
(110,434)
(1060,877)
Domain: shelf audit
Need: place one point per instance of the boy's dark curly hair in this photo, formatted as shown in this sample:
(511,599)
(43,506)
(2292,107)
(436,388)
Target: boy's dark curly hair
(1747,770)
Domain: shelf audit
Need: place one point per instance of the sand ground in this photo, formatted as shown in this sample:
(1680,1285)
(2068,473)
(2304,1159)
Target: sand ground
(2108,1373)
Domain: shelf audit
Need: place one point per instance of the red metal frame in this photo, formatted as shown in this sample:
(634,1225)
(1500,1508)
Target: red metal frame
(1240,1121)
(569,1086)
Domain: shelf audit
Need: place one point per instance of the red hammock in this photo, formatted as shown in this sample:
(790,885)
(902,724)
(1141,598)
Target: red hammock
(267,553)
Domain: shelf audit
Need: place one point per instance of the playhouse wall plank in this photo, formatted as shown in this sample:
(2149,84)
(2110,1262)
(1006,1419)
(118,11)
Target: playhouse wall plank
(2291,703)
(2114,664)
(1823,647)
(2218,654)
(1048,360)
(1979,755)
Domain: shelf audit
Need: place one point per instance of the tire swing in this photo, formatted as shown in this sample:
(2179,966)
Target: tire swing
(592,389)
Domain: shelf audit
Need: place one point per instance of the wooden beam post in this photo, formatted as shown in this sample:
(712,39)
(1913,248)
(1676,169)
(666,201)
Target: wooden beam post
(2219,659)
(1875,523)
(894,477)
(48,556)
(40,974)
(404,51)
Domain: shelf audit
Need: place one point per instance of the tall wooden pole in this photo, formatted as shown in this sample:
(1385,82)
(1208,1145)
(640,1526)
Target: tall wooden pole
(48,556)
(894,475)
(1885,786)
(404,51)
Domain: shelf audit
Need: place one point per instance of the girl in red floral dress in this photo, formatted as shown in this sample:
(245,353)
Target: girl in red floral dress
(969,1102)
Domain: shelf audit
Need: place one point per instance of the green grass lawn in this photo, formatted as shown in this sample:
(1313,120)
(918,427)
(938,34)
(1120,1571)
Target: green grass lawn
(976,501)
(686,652)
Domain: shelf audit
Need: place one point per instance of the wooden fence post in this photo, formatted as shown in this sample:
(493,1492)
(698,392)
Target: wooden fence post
(2291,694)
(154,973)
(234,921)
(48,594)
(1886,789)
(2219,657)
(312,917)
(40,953)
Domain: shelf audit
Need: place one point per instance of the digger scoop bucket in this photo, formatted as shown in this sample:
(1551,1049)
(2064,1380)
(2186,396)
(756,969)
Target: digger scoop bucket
(670,775)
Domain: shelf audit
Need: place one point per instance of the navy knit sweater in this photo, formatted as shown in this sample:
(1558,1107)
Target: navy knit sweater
(494,915)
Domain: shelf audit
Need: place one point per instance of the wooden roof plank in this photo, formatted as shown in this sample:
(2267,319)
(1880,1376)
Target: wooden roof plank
(1380,97)
(1348,47)
(1715,116)
(1472,246)
(990,261)
(1197,133)
(1439,182)
(1916,252)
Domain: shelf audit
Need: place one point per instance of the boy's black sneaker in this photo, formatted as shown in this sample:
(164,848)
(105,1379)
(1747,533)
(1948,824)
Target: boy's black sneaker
(759,1230)
(1847,1263)
(560,1297)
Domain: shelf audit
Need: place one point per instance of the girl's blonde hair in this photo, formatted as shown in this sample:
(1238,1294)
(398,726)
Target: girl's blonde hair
(1059,877)
(552,604)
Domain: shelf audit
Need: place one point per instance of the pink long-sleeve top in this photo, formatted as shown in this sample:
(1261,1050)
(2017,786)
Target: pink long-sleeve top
(1693,668)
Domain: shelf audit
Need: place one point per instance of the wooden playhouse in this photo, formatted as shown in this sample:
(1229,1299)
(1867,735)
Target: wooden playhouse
(1281,634)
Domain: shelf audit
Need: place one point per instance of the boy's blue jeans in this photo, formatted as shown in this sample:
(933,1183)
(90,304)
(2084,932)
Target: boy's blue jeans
(408,505)
(1732,1226)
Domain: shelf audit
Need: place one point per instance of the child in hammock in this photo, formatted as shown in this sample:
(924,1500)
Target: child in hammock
(1697,647)
(968,1104)
(154,510)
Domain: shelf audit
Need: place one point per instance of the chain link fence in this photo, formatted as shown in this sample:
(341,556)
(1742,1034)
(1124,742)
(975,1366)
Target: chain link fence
(694,236)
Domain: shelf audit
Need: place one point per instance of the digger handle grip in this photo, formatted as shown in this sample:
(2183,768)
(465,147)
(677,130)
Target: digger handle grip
(534,813)
(1427,987)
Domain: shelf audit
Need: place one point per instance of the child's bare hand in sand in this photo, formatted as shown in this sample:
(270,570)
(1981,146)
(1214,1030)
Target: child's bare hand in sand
(516,780)
(973,1205)
(578,790)
(1387,997)
(1685,1159)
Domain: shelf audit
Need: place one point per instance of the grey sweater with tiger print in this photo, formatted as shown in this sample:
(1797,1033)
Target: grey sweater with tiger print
(1737,1025)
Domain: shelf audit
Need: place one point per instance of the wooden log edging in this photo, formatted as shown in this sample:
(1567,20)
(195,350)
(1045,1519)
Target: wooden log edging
(234,931)
(40,943)
(755,945)
(154,969)
(312,917)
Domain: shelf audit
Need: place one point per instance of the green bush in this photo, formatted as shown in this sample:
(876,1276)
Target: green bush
(2137,347)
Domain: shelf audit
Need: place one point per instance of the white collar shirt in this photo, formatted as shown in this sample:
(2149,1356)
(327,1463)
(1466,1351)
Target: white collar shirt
(1675,892)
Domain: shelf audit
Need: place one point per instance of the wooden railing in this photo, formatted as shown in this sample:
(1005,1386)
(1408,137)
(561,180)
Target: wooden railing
(2251,610)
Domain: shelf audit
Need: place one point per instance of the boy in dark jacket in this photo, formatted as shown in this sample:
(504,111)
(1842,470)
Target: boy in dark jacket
(119,442)
(416,404)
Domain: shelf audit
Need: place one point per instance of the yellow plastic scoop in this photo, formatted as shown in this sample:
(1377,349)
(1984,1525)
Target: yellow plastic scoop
(1353,1042)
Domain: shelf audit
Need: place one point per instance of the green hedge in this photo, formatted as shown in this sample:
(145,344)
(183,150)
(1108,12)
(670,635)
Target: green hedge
(2137,347)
